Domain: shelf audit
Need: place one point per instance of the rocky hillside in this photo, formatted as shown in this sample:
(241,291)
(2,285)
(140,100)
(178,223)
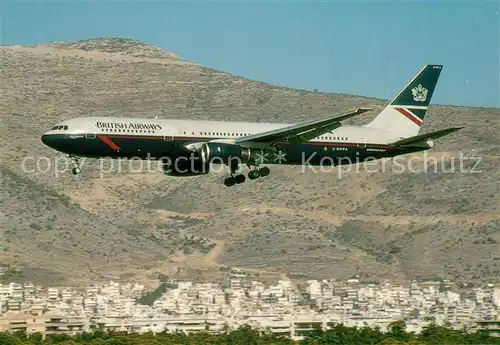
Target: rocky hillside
(430,224)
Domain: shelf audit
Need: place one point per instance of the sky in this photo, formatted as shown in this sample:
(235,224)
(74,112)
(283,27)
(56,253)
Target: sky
(369,48)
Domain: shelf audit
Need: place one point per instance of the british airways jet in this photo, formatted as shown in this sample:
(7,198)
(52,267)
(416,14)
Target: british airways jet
(189,147)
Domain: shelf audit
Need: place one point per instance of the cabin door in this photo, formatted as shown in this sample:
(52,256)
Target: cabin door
(90,132)
(362,142)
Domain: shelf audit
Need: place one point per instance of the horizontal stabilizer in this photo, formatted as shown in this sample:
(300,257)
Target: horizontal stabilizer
(422,138)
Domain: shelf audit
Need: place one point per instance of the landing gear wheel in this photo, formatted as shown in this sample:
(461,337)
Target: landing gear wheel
(76,171)
(239,178)
(229,182)
(253,174)
(264,171)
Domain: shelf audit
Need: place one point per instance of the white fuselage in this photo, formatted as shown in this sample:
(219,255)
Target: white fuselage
(211,129)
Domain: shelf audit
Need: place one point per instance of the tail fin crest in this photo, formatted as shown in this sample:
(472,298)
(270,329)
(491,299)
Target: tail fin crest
(405,114)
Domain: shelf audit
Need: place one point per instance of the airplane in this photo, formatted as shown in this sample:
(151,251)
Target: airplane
(189,147)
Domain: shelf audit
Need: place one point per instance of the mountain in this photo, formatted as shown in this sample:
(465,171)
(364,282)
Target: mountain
(106,222)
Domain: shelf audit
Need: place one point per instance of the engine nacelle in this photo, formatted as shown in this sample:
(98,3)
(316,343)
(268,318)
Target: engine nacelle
(222,153)
(185,166)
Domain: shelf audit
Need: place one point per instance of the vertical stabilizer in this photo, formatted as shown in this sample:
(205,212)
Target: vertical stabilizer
(406,112)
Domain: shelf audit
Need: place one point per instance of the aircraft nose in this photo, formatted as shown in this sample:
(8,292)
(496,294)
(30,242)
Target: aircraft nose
(55,141)
(48,140)
(45,139)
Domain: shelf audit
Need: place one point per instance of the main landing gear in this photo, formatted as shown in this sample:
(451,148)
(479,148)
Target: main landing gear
(256,173)
(76,167)
(234,179)
(238,178)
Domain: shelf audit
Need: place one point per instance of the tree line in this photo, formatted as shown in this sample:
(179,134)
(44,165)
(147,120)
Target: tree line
(245,335)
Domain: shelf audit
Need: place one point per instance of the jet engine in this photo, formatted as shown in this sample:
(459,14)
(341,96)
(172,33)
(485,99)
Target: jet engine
(185,166)
(223,152)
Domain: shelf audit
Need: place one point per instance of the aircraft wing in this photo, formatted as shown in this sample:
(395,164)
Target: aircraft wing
(301,132)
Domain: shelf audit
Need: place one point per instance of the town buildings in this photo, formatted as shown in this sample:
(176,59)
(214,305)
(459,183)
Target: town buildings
(279,307)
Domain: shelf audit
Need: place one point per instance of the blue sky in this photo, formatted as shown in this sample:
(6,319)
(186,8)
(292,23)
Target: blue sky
(364,48)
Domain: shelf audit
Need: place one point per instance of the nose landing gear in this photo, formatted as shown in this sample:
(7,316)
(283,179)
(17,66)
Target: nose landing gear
(76,167)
